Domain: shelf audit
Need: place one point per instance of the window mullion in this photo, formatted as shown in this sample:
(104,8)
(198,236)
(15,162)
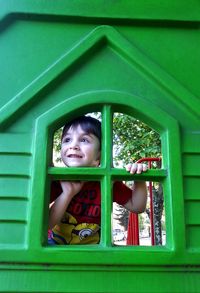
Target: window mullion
(106,152)
(106,184)
(106,210)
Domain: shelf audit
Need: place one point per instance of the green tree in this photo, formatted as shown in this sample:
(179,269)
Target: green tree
(133,139)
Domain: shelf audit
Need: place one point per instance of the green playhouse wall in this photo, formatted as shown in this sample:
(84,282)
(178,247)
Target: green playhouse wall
(66,58)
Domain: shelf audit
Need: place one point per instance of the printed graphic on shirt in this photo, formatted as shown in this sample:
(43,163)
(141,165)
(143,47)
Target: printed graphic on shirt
(70,232)
(85,206)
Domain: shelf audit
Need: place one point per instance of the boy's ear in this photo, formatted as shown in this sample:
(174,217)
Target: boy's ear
(97,163)
(98,160)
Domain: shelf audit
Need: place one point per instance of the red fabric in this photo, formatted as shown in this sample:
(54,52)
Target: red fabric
(56,190)
(121,193)
(86,205)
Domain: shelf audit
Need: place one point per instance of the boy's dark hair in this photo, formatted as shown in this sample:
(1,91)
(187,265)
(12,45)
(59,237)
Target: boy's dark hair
(87,123)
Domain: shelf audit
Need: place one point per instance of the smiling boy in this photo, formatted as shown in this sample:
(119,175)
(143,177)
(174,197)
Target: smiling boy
(74,216)
(80,149)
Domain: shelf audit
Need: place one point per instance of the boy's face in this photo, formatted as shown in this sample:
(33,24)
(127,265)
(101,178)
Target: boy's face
(80,149)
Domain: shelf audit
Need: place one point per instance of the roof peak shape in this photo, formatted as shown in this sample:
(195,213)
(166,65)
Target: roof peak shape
(103,34)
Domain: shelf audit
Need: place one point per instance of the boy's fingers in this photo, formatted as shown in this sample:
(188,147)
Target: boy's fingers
(133,168)
(136,168)
(145,167)
(128,167)
(141,168)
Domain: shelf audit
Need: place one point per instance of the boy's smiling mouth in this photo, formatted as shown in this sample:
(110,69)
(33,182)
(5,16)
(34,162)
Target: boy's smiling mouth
(74,156)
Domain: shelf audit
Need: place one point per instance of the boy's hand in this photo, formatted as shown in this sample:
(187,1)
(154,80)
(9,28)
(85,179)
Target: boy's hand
(59,206)
(136,168)
(137,203)
(71,187)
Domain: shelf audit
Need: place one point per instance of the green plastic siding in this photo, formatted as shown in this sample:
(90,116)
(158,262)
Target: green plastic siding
(191,172)
(15,162)
(68,58)
(102,280)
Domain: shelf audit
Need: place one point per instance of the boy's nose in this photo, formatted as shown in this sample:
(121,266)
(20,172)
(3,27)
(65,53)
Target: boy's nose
(74,145)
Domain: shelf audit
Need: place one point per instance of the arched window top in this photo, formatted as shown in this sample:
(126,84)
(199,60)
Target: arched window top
(93,101)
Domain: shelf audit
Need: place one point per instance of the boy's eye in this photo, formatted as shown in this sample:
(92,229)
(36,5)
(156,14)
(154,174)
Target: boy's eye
(67,139)
(84,139)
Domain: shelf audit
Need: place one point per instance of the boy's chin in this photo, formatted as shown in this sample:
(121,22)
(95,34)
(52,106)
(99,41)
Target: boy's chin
(79,164)
(75,165)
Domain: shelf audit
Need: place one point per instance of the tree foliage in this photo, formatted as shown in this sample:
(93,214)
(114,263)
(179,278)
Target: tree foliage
(57,141)
(133,139)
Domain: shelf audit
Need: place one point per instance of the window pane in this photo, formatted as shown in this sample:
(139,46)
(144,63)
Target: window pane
(133,140)
(81,219)
(145,229)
